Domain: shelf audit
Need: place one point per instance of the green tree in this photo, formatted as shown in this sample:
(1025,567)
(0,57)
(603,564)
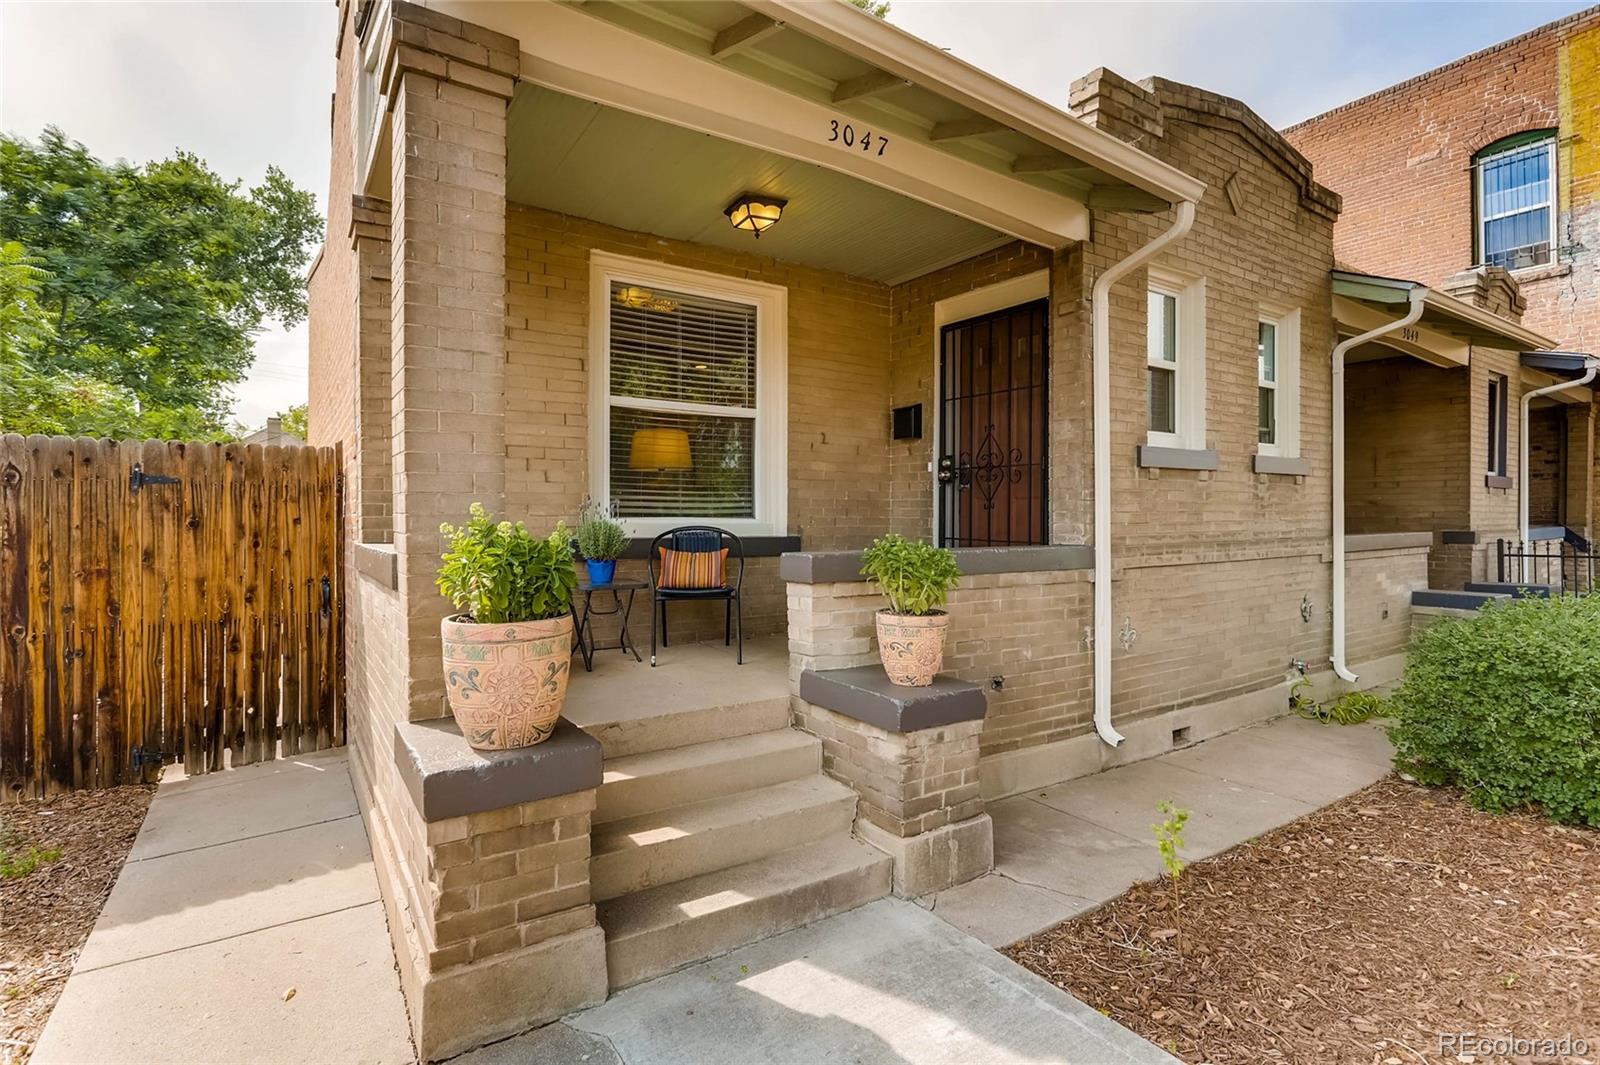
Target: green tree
(876,8)
(144,287)
(293,420)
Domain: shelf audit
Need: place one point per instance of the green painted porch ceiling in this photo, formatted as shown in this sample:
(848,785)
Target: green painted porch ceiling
(580,158)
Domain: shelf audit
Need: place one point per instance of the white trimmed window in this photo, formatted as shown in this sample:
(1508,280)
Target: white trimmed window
(1175,361)
(1515,183)
(1278,384)
(687,397)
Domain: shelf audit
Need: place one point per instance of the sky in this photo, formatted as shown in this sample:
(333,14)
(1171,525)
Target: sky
(246,85)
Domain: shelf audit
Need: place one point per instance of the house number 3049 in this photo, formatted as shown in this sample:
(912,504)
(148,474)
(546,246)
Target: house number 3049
(862,140)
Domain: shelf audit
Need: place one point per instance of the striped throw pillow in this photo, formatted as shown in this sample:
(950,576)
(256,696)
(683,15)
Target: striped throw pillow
(693,569)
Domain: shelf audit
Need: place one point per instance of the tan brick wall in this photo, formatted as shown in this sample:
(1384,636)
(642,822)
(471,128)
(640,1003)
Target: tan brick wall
(1378,600)
(1547,441)
(1408,466)
(838,377)
(1401,159)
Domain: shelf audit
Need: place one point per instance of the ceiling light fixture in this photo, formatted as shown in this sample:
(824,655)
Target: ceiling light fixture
(755,213)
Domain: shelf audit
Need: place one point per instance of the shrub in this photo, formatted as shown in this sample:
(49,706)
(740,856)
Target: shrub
(1506,704)
(916,577)
(497,572)
(599,538)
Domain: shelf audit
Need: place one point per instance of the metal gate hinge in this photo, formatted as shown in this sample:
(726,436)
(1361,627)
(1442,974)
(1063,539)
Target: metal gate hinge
(137,478)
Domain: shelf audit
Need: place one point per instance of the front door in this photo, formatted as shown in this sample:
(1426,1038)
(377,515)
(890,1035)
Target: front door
(993,429)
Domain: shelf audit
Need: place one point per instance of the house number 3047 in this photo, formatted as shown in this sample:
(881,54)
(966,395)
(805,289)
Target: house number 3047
(861,140)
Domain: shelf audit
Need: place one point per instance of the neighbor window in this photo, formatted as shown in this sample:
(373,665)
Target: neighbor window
(1278,382)
(1515,182)
(1175,361)
(1499,404)
(690,424)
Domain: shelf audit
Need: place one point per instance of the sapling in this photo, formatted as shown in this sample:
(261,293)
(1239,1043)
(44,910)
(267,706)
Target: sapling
(1169,841)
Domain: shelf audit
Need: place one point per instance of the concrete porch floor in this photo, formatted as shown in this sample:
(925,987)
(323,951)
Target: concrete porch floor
(691,676)
(1068,848)
(241,885)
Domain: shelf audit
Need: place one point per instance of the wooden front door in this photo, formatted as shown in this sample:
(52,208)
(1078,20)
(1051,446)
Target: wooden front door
(994,429)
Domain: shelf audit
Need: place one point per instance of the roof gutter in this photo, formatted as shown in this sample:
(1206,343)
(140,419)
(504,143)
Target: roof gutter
(1100,320)
(1416,295)
(1591,367)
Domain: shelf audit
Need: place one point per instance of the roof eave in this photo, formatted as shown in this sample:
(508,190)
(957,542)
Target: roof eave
(905,55)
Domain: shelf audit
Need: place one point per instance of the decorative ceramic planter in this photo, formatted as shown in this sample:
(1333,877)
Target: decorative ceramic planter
(911,646)
(506,683)
(601,571)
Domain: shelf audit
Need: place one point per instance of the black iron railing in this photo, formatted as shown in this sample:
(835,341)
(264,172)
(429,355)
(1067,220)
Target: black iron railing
(1565,565)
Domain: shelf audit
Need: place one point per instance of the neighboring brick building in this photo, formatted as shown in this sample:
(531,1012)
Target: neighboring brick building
(1517,123)
(1481,179)
(532,295)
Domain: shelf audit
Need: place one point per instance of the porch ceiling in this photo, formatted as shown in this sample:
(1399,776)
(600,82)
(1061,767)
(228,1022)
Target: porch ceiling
(585,159)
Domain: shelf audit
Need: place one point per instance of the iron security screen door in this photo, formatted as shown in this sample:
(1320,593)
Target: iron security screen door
(993,429)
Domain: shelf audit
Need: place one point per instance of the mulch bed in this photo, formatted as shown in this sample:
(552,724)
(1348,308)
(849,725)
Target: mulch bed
(1359,933)
(47,914)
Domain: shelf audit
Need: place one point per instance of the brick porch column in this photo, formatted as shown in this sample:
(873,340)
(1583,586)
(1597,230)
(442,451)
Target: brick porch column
(910,754)
(1581,472)
(449,83)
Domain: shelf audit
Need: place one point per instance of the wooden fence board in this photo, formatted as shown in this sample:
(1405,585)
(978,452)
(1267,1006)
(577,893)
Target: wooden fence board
(182,619)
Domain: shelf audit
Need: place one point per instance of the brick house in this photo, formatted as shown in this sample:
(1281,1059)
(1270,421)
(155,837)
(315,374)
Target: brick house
(1481,179)
(531,213)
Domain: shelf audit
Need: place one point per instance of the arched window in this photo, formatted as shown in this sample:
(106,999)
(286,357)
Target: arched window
(1514,183)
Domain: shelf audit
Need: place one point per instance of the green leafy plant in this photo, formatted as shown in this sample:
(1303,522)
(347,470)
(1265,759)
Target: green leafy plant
(1506,704)
(497,572)
(18,859)
(599,538)
(1169,842)
(916,577)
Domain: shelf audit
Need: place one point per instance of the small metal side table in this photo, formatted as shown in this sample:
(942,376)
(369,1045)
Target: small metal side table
(620,608)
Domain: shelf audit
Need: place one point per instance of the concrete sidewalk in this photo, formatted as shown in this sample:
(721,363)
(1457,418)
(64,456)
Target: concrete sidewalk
(1070,847)
(241,885)
(886,984)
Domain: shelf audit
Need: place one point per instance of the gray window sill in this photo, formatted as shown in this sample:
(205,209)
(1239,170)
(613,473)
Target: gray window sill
(1152,457)
(1280,464)
(1541,273)
(1495,480)
(378,562)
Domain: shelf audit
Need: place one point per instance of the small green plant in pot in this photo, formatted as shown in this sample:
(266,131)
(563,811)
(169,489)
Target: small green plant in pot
(917,579)
(601,541)
(507,653)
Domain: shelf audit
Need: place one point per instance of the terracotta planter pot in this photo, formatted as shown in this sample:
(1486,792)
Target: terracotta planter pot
(911,646)
(506,683)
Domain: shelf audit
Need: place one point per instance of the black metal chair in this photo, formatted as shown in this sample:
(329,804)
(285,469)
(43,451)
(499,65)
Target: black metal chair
(698,538)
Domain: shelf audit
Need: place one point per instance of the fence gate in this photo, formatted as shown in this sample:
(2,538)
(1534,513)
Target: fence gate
(170,600)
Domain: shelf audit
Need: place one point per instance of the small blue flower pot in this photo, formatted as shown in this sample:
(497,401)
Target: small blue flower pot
(601,572)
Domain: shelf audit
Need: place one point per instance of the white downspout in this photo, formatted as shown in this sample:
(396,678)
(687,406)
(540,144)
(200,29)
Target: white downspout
(1591,368)
(1099,325)
(1418,294)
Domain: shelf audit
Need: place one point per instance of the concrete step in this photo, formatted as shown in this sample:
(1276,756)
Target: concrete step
(644,851)
(622,737)
(642,783)
(667,927)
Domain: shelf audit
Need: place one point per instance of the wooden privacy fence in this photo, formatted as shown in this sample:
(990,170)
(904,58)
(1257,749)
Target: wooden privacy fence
(162,600)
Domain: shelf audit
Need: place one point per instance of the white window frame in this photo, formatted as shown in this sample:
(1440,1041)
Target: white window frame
(771,413)
(1483,217)
(1287,405)
(1189,388)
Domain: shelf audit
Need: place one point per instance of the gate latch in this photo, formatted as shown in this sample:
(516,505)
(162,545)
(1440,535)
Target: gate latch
(137,478)
(141,756)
